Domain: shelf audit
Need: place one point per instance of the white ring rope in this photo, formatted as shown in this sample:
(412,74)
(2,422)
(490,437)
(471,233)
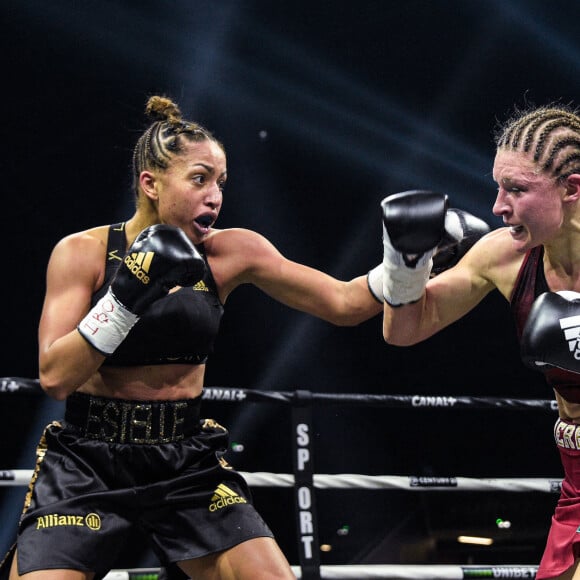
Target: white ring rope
(355,481)
(413,483)
(378,571)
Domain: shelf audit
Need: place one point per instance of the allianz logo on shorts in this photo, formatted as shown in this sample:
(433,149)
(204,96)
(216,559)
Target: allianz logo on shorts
(571,328)
(224,497)
(139,263)
(91,521)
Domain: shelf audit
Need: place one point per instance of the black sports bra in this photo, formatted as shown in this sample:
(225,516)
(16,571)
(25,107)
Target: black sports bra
(179,328)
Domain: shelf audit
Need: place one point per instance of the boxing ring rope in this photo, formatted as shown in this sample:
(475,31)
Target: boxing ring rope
(377,571)
(9,477)
(234,394)
(304,480)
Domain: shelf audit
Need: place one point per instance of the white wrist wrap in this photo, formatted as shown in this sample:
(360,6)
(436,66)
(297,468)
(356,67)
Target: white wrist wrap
(375,283)
(403,284)
(107,324)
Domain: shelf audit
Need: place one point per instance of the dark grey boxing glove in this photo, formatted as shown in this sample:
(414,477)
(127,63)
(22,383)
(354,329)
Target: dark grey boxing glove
(451,248)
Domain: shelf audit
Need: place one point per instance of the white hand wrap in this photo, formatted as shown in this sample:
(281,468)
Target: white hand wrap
(403,284)
(107,324)
(404,277)
(375,282)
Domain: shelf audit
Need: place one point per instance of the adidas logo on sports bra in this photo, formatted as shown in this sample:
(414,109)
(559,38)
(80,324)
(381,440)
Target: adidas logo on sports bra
(201,287)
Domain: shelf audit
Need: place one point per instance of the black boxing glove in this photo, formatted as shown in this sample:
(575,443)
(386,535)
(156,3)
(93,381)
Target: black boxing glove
(160,258)
(462,230)
(413,226)
(551,335)
(458,239)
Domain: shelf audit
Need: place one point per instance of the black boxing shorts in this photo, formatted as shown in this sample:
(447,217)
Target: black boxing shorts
(114,467)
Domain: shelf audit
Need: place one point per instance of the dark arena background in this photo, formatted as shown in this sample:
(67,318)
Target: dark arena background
(324,108)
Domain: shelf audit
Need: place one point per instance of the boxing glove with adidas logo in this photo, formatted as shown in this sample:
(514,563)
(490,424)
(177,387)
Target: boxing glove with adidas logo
(551,335)
(160,258)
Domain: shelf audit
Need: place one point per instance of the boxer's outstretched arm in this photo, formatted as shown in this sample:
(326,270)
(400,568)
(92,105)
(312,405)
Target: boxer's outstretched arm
(447,298)
(436,302)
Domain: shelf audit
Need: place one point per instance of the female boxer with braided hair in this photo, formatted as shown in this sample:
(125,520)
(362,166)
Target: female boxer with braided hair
(534,261)
(130,316)
(131,313)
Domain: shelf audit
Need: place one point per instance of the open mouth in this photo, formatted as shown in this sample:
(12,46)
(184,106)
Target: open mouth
(204,221)
(515,230)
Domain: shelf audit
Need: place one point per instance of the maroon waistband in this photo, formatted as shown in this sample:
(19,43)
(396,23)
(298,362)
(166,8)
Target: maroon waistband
(567,435)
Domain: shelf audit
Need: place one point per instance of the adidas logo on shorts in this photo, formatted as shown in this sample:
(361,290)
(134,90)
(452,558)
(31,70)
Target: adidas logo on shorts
(139,263)
(223,497)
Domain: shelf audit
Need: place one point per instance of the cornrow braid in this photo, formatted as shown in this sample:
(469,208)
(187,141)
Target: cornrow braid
(573,160)
(559,144)
(514,132)
(547,122)
(165,137)
(551,134)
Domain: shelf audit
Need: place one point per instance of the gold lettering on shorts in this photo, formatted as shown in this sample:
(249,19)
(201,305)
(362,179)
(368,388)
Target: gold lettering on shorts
(177,421)
(137,424)
(223,497)
(92,521)
(567,435)
(142,423)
